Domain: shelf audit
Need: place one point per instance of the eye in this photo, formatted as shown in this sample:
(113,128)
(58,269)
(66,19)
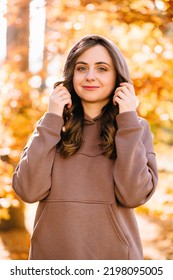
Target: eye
(102,69)
(81,68)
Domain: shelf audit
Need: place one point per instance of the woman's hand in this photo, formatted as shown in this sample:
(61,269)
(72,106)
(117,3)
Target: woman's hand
(58,99)
(125,97)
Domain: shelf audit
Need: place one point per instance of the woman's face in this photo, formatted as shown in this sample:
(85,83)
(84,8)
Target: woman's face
(94,77)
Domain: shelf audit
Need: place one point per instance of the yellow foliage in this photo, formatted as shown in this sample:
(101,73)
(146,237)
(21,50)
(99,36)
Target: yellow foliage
(4,214)
(141,29)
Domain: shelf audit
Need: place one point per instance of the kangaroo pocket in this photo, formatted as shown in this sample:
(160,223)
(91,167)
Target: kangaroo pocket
(78,230)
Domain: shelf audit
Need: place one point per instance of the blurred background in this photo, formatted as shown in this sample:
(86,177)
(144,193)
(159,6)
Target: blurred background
(35,37)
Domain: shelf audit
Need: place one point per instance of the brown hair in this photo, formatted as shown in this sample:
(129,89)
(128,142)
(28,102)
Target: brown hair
(72,132)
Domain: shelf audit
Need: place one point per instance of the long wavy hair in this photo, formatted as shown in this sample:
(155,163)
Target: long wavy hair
(72,131)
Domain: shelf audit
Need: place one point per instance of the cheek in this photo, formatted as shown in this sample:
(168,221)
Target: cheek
(76,80)
(112,82)
(109,82)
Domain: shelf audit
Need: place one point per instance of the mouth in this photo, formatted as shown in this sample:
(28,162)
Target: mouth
(90,87)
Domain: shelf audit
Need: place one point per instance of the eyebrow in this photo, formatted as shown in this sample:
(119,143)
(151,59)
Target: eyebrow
(97,63)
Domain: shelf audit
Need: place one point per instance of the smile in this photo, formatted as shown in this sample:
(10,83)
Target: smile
(90,87)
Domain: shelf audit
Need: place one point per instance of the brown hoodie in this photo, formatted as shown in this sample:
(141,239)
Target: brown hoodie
(86,202)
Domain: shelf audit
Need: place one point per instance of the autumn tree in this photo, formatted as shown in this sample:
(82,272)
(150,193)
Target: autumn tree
(143,30)
(17,102)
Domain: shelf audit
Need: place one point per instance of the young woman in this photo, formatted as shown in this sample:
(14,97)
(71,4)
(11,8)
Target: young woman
(89,162)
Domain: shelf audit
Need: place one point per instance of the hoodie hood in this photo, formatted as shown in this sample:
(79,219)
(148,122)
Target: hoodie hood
(121,66)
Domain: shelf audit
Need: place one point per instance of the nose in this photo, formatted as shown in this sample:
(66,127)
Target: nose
(90,76)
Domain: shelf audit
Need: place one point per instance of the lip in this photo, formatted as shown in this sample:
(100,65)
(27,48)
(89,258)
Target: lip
(90,87)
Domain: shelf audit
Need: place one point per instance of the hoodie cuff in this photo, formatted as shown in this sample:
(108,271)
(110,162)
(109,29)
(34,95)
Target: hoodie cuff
(128,119)
(52,121)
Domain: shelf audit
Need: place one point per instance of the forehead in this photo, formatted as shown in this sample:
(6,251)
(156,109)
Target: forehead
(95,54)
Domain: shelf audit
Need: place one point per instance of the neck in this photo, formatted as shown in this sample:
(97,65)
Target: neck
(92,110)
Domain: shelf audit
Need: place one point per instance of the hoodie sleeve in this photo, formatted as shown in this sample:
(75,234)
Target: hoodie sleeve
(135,171)
(32,178)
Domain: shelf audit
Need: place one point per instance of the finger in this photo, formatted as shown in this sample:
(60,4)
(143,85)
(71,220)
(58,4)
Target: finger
(61,96)
(69,104)
(61,100)
(66,101)
(129,86)
(123,89)
(118,101)
(59,87)
(59,90)
(114,102)
(122,95)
